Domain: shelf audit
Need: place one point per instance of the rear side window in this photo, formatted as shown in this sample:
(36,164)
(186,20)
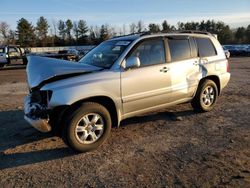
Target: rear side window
(206,47)
(179,49)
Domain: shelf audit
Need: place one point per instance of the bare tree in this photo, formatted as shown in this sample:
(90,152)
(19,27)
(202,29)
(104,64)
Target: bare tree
(4,30)
(140,26)
(76,30)
(124,29)
(94,34)
(132,28)
(12,37)
(54,25)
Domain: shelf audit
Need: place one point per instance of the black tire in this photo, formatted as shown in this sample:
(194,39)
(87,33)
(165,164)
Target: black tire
(202,104)
(72,138)
(2,65)
(25,61)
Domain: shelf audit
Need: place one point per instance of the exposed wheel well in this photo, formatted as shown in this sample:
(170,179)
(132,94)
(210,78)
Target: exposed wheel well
(213,78)
(59,114)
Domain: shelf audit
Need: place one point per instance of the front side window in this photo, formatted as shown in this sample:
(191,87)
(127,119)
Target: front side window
(105,54)
(13,52)
(179,49)
(150,52)
(205,47)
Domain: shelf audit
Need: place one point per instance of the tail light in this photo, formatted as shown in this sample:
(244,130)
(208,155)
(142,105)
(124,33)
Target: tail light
(228,67)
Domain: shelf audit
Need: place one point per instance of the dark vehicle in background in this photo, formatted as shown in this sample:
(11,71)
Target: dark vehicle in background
(70,54)
(12,55)
(238,50)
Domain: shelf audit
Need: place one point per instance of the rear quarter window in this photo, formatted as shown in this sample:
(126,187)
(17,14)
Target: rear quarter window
(179,49)
(205,47)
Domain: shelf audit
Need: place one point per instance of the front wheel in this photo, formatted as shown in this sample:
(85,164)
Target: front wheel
(88,127)
(206,96)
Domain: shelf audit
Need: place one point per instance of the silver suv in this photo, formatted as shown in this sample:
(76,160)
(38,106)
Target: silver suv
(123,77)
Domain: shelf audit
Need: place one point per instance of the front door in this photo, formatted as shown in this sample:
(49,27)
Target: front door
(15,55)
(149,85)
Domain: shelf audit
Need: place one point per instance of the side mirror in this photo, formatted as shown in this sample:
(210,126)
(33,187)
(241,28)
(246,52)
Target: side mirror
(132,62)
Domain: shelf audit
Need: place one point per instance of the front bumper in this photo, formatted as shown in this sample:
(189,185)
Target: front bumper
(39,123)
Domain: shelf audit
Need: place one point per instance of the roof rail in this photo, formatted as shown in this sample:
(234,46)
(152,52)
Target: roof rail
(198,32)
(177,31)
(194,31)
(137,33)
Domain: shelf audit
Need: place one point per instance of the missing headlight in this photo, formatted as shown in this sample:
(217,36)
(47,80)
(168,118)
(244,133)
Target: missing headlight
(41,97)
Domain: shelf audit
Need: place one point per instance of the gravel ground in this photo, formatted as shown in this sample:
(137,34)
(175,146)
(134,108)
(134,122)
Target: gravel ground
(175,147)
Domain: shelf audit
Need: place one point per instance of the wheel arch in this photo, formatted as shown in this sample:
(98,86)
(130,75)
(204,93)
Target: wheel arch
(215,79)
(59,113)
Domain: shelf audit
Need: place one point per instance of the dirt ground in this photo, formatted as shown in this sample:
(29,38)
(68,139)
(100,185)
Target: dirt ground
(175,147)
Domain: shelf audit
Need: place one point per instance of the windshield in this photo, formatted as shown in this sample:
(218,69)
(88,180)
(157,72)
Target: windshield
(105,54)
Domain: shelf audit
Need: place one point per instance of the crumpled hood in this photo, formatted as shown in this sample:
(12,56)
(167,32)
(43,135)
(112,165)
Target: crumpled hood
(40,69)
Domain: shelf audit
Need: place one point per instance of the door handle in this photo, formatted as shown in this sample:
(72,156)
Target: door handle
(164,69)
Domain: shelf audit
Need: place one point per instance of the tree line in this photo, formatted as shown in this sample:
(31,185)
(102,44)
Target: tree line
(67,32)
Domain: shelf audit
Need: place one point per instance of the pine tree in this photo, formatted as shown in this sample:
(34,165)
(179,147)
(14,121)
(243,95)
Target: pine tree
(165,26)
(154,28)
(42,27)
(104,33)
(83,28)
(25,33)
(69,26)
(61,28)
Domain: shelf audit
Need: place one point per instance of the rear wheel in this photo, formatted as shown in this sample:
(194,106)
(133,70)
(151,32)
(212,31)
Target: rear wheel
(88,127)
(206,96)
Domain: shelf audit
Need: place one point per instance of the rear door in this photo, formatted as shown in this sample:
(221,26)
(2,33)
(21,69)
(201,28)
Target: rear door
(209,61)
(149,85)
(206,49)
(183,67)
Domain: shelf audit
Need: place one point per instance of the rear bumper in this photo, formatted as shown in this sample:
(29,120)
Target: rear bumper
(41,125)
(224,79)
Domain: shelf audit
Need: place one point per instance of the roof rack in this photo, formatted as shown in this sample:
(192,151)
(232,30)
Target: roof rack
(177,31)
(194,31)
(197,32)
(138,33)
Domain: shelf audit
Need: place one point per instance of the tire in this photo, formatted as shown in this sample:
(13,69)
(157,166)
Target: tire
(25,61)
(2,65)
(205,97)
(88,127)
